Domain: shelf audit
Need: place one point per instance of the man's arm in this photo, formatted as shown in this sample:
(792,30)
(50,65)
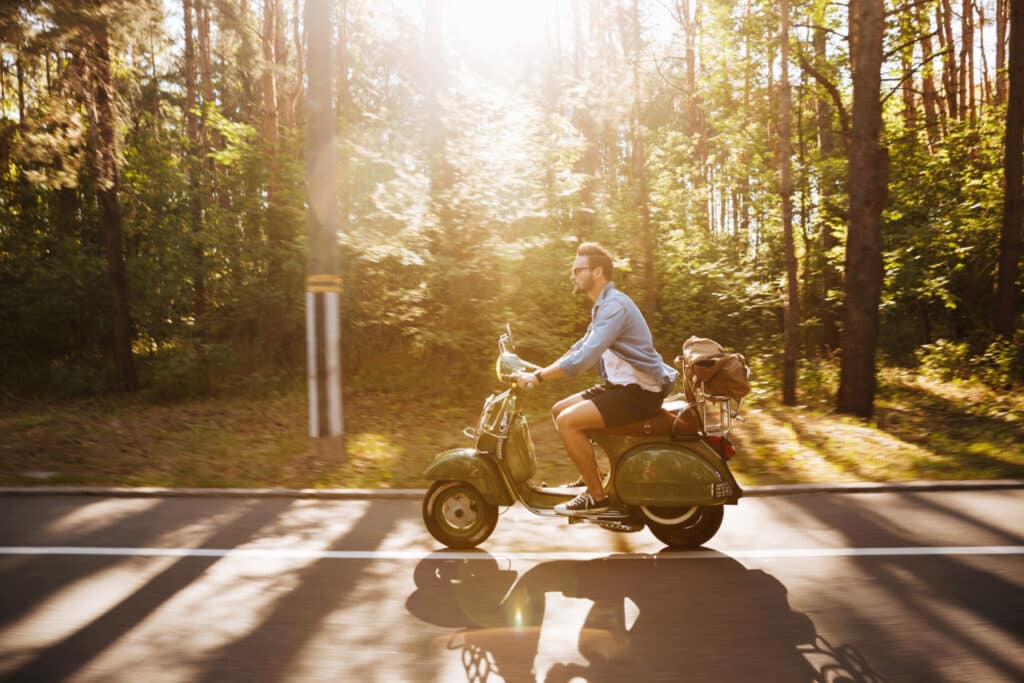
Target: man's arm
(606,328)
(547,374)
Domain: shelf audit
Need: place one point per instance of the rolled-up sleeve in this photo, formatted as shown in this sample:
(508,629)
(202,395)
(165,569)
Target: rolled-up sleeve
(608,323)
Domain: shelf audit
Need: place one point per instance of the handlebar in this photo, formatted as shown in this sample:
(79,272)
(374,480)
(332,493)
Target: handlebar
(511,361)
(527,366)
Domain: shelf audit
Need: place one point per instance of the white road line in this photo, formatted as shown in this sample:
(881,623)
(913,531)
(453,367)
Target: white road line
(269,553)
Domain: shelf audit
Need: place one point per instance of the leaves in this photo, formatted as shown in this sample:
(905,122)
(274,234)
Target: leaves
(466,179)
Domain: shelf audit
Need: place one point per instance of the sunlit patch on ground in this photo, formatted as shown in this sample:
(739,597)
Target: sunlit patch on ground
(368,462)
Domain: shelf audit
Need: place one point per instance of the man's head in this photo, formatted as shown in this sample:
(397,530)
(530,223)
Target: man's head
(592,269)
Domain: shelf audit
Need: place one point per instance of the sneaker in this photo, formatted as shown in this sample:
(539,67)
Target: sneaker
(583,504)
(577,484)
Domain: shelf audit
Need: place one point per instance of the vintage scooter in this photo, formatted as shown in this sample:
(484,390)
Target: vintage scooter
(669,473)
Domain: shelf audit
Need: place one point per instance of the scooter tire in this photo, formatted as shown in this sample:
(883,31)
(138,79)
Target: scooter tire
(457,515)
(692,533)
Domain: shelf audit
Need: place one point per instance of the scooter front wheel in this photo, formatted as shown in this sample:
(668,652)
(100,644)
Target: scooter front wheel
(683,528)
(457,515)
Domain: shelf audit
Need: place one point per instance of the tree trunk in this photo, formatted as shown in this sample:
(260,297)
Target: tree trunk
(640,176)
(344,96)
(802,185)
(830,279)
(194,162)
(909,104)
(944,15)
(931,101)
(246,55)
(20,75)
(967,108)
(1002,21)
(578,42)
(269,126)
(1013,205)
(441,173)
(107,187)
(867,183)
(689,21)
(205,78)
(986,89)
(743,237)
(584,210)
(284,112)
(792,309)
(344,87)
(296,94)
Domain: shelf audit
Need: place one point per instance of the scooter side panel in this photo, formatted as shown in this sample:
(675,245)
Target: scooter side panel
(669,475)
(469,465)
(519,451)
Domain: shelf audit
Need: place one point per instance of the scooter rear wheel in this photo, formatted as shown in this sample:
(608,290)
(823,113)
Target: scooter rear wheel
(457,515)
(698,524)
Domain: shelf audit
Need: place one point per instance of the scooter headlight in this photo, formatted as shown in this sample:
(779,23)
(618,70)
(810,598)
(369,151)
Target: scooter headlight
(507,364)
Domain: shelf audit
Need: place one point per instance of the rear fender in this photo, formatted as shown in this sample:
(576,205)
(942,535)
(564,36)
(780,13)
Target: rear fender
(473,467)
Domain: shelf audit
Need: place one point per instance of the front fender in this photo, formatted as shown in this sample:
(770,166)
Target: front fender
(471,466)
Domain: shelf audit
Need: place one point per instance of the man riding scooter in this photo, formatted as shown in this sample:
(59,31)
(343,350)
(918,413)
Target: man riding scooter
(636,379)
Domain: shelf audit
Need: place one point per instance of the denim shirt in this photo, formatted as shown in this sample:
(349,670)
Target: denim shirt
(616,323)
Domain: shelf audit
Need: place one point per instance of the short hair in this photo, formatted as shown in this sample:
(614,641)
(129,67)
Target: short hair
(597,256)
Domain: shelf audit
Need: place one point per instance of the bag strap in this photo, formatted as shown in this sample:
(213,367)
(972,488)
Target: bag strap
(677,417)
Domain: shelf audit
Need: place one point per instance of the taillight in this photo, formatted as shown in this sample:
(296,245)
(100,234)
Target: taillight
(722,445)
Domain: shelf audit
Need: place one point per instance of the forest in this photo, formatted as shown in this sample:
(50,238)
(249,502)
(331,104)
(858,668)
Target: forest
(815,184)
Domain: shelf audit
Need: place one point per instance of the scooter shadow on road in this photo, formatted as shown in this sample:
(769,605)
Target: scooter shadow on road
(699,615)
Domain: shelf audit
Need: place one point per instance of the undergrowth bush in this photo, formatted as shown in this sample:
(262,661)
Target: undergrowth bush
(997,366)
(944,360)
(819,376)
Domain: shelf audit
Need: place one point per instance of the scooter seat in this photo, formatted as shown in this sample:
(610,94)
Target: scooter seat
(677,418)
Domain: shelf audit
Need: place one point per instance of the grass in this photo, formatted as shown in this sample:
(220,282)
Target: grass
(921,430)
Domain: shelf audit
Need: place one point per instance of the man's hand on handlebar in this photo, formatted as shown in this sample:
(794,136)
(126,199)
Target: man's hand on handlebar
(525,380)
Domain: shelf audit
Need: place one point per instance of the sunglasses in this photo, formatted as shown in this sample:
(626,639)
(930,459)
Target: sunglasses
(577,271)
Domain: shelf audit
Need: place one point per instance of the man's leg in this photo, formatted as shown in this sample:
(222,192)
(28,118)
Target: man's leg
(556,410)
(567,402)
(573,422)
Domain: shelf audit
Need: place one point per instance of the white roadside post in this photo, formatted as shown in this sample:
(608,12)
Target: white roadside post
(323,354)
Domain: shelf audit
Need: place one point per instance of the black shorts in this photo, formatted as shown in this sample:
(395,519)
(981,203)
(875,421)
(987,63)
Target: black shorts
(622,405)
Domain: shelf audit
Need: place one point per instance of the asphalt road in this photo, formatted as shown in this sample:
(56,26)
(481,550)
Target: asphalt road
(911,586)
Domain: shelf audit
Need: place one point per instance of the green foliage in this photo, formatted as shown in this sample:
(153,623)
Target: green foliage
(942,233)
(466,180)
(998,365)
(945,360)
(705,293)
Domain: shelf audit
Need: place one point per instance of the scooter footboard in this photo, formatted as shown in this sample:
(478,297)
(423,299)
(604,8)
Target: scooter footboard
(671,475)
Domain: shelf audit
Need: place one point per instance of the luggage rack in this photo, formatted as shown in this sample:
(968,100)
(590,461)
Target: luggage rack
(716,413)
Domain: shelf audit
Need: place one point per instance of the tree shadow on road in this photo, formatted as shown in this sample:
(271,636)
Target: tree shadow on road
(269,651)
(955,592)
(34,518)
(698,616)
(66,657)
